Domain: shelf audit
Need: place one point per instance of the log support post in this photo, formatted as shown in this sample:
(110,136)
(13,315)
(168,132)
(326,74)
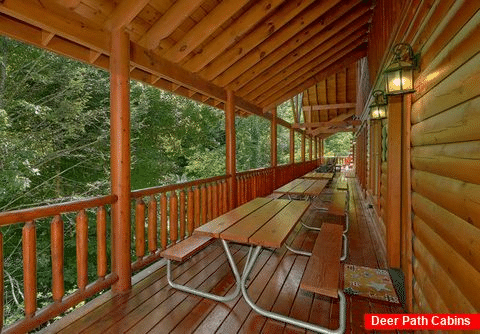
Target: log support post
(273,146)
(394,180)
(231,157)
(120,157)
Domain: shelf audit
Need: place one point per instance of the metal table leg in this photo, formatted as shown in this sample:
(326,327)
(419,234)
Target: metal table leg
(280,317)
(204,294)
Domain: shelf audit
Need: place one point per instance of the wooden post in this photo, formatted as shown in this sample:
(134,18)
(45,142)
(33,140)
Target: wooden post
(394,178)
(231,157)
(120,157)
(273,145)
(407,228)
(315,149)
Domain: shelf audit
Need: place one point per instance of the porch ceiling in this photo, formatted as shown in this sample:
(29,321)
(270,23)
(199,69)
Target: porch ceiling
(266,51)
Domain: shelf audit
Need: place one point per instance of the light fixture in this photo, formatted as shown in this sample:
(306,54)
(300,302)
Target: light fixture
(399,73)
(378,108)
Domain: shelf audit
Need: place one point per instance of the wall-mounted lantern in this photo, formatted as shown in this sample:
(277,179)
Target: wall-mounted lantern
(399,74)
(378,108)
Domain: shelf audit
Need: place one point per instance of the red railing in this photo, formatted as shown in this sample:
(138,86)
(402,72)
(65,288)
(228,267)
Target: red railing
(161,216)
(54,213)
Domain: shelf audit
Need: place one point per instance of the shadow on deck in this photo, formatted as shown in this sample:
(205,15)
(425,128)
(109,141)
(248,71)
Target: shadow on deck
(153,307)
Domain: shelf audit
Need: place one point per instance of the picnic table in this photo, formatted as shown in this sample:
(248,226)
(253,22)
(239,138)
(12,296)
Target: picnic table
(262,222)
(302,187)
(317,175)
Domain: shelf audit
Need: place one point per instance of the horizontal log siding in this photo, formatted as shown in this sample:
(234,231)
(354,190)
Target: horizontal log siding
(445,160)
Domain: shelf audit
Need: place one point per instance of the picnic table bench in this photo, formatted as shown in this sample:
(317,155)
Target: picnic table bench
(262,222)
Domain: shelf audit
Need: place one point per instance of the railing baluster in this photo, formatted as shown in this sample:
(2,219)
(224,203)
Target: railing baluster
(29,237)
(140,229)
(214,200)
(182,214)
(204,204)
(173,217)
(82,249)
(56,236)
(163,220)
(102,240)
(190,211)
(152,224)
(224,196)
(197,206)
(209,202)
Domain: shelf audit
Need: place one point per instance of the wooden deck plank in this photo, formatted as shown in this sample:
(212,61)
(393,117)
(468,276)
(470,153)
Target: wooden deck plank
(275,232)
(152,313)
(120,315)
(253,222)
(221,223)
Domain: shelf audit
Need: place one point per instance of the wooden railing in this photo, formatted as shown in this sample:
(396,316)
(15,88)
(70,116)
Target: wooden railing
(179,208)
(162,216)
(54,214)
(254,183)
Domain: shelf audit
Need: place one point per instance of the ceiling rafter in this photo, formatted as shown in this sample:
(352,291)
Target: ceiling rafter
(281,96)
(330,106)
(211,22)
(304,55)
(282,35)
(168,22)
(281,17)
(294,47)
(305,66)
(124,13)
(231,35)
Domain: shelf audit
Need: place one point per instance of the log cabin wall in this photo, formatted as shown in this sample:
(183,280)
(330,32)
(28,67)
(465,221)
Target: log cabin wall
(445,160)
(441,158)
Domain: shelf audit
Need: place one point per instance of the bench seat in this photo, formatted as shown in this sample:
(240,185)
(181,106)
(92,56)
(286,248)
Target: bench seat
(186,248)
(322,274)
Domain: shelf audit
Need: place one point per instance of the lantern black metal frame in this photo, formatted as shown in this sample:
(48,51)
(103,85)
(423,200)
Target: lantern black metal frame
(378,108)
(400,71)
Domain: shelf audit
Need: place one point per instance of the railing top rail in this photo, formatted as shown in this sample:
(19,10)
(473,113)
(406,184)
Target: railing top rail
(24,215)
(160,189)
(256,170)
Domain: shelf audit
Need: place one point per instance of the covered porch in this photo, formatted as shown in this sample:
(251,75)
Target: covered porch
(152,306)
(415,185)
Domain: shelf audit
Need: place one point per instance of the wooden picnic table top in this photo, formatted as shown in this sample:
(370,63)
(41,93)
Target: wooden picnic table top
(316,175)
(301,186)
(263,222)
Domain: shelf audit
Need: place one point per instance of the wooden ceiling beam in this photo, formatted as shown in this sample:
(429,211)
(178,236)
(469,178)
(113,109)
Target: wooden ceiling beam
(289,91)
(288,31)
(314,48)
(32,13)
(168,22)
(330,106)
(202,30)
(232,34)
(324,54)
(297,46)
(100,42)
(124,13)
(314,125)
(281,17)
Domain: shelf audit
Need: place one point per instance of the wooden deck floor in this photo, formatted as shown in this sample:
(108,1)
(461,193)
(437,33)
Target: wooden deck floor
(153,307)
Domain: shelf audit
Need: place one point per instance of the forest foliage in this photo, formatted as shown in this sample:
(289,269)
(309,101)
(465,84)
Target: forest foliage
(55,146)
